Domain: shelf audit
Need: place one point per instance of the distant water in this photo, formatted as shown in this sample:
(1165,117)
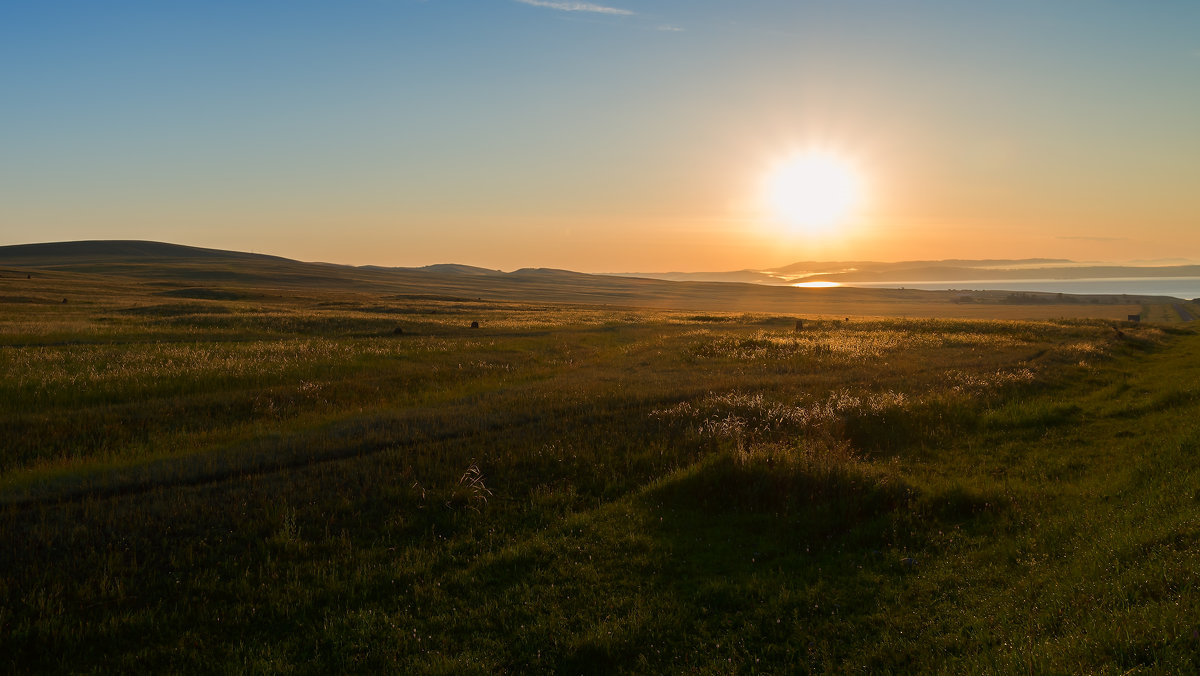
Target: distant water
(1179,287)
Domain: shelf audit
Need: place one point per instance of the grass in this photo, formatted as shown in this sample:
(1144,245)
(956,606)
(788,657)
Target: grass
(252,481)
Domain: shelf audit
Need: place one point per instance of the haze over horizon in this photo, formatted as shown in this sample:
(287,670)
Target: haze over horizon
(606,137)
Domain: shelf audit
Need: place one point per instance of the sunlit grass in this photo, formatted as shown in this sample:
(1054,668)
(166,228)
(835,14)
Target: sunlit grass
(241,482)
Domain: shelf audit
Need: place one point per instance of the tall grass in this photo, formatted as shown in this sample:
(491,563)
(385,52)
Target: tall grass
(253,482)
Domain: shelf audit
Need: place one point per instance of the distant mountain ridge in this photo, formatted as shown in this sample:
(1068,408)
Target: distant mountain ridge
(951,270)
(115,249)
(146,258)
(451,268)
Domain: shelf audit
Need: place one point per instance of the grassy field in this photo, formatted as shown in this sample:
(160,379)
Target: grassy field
(239,478)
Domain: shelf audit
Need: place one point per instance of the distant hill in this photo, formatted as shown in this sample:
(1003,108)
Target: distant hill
(449,268)
(199,273)
(108,251)
(748,276)
(806,267)
(958,271)
(954,270)
(210,273)
(162,261)
(454,268)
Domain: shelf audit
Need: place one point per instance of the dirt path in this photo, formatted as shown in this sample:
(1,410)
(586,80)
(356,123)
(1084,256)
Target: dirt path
(1184,315)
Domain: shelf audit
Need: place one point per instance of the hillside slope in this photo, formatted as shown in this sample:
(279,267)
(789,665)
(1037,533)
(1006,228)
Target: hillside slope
(224,273)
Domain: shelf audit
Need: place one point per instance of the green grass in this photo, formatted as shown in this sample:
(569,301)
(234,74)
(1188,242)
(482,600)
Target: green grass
(241,480)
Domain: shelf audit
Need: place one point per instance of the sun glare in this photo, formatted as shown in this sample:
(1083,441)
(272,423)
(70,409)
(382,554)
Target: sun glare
(814,191)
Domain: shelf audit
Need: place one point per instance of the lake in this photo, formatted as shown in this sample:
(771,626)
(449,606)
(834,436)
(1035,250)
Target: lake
(1178,287)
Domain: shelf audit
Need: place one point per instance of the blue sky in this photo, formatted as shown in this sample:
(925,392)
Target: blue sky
(601,136)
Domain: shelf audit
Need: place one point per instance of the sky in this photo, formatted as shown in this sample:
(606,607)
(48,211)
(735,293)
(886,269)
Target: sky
(631,135)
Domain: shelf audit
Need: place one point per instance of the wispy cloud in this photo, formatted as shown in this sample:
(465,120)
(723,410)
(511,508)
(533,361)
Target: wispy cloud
(577,7)
(667,28)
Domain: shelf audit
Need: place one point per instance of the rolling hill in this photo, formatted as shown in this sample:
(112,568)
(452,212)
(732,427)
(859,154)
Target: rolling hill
(206,272)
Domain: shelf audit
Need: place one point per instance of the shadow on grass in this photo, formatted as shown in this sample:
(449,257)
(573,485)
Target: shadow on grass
(774,558)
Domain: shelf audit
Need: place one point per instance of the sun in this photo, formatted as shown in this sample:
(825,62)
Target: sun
(814,191)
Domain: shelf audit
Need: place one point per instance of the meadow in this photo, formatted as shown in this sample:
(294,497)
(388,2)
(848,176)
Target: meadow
(258,479)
